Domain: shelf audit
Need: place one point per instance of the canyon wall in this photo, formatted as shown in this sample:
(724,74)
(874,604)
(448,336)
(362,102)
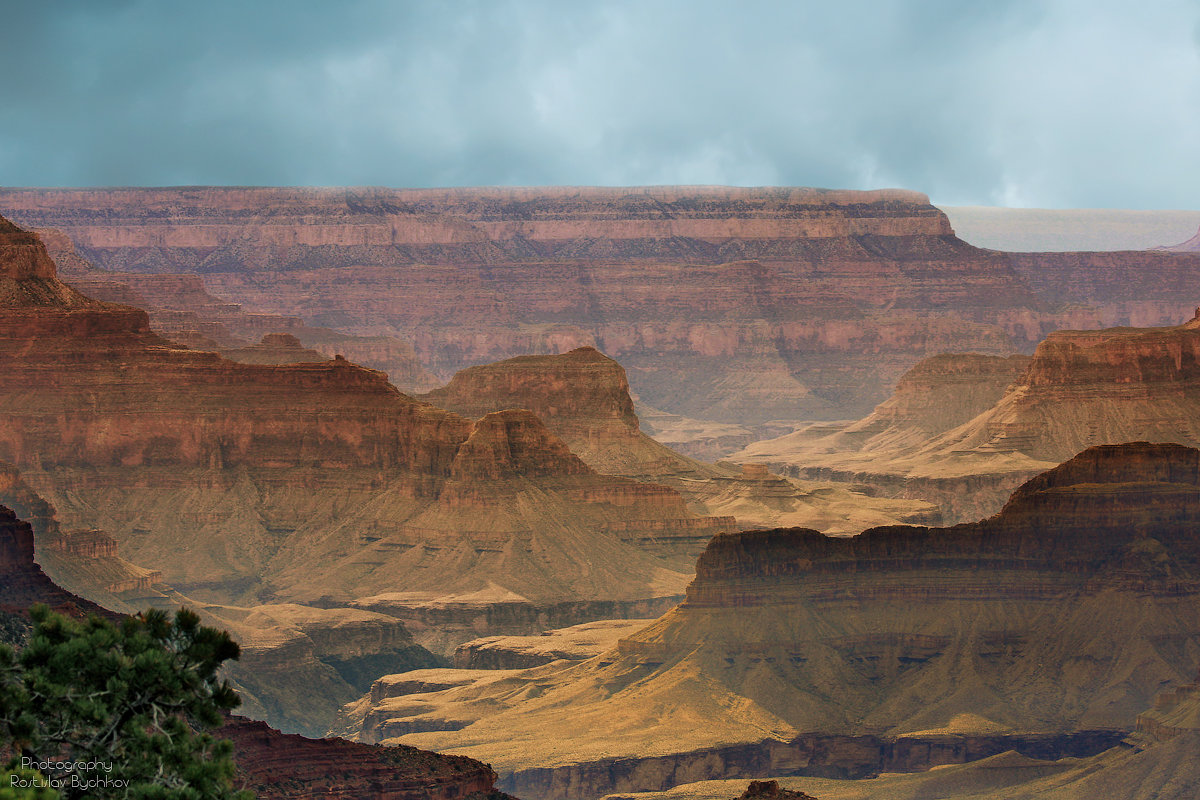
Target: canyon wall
(1064,613)
(583,397)
(982,430)
(308,481)
(738,305)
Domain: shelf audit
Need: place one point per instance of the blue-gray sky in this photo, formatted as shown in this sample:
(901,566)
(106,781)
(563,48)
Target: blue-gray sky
(1054,103)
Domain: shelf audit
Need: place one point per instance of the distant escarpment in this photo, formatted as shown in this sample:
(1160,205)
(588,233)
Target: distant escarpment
(181,309)
(951,446)
(728,304)
(583,397)
(1192,245)
(1053,623)
(244,483)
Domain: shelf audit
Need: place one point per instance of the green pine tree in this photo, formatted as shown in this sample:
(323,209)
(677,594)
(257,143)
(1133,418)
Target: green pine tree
(106,710)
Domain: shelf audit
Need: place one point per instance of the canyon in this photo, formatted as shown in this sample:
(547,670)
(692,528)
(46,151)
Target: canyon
(583,396)
(1058,620)
(962,430)
(272,764)
(738,306)
(312,481)
(1155,762)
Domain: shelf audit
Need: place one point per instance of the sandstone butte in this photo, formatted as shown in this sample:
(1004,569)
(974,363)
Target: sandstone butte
(181,310)
(1046,628)
(583,397)
(313,481)
(1156,762)
(962,430)
(735,305)
(1192,245)
(272,764)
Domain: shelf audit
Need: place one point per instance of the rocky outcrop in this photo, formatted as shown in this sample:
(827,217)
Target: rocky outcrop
(275,765)
(309,481)
(761,790)
(1063,613)
(275,348)
(577,643)
(22,582)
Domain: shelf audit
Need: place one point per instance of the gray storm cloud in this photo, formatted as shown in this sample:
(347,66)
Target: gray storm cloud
(1067,103)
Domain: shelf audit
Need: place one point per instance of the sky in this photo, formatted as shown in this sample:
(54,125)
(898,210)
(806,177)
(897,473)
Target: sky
(1051,104)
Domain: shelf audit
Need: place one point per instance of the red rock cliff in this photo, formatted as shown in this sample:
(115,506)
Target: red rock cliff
(256,466)
(836,293)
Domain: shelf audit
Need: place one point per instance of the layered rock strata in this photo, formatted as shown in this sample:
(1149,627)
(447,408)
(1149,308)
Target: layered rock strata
(1157,762)
(726,304)
(1081,388)
(577,643)
(181,309)
(307,481)
(276,766)
(583,397)
(1061,616)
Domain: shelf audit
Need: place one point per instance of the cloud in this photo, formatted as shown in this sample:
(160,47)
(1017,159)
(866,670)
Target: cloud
(1064,103)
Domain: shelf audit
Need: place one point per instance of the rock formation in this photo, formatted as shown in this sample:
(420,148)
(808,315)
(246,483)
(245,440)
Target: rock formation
(181,310)
(278,766)
(726,304)
(1061,616)
(308,481)
(275,348)
(272,764)
(576,643)
(583,397)
(1156,762)
(1081,388)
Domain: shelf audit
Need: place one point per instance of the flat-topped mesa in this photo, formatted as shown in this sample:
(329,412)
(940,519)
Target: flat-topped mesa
(831,295)
(1106,514)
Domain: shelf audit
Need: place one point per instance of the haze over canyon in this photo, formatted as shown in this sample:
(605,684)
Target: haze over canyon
(622,491)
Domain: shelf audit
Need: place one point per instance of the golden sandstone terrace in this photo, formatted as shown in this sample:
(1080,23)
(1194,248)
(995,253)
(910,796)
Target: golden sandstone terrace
(351,530)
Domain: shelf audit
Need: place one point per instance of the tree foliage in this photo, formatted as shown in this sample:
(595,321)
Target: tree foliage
(107,710)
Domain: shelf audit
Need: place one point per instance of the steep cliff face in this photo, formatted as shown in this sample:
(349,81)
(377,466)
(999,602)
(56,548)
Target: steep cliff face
(737,305)
(311,480)
(278,766)
(181,310)
(1064,613)
(1084,388)
(22,582)
(1080,389)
